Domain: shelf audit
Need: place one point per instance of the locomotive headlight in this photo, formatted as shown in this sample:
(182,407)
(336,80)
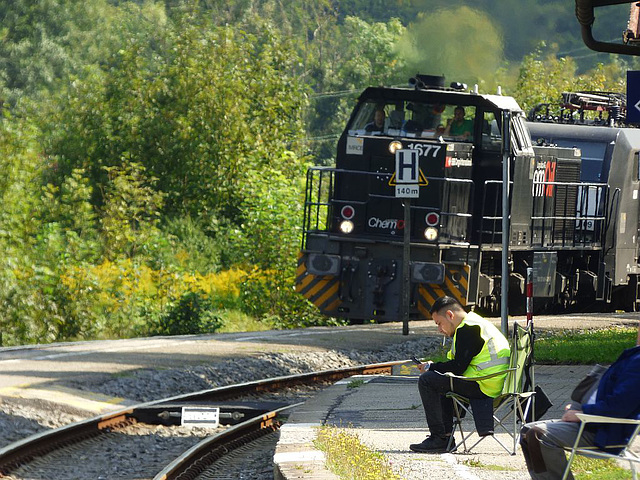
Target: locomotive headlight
(393,146)
(431,234)
(346,226)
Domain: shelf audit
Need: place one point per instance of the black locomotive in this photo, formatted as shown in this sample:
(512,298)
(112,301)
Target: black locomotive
(564,223)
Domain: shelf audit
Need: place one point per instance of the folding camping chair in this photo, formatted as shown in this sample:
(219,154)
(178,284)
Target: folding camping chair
(515,399)
(624,454)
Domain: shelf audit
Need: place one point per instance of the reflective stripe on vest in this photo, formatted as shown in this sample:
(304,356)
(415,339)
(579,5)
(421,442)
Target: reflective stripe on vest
(495,359)
(494,356)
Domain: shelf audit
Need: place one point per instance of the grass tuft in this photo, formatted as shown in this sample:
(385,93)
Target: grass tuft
(358,382)
(585,468)
(588,347)
(348,458)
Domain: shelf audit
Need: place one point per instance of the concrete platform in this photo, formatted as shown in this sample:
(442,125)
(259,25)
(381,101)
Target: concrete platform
(386,413)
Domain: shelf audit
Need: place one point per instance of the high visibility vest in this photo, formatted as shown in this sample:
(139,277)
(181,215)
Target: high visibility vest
(494,356)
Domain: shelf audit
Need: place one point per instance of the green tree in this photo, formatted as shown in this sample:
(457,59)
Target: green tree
(462,43)
(131,212)
(68,211)
(543,78)
(198,112)
(28,308)
(43,43)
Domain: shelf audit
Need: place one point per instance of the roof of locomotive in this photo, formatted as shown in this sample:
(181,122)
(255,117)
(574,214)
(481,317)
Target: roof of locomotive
(436,95)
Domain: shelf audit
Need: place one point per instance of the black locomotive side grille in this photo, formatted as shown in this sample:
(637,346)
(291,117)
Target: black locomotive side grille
(566,201)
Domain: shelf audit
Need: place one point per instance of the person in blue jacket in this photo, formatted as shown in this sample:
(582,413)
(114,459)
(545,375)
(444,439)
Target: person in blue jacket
(617,395)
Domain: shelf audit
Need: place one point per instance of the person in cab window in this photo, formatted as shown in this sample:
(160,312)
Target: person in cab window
(459,127)
(378,121)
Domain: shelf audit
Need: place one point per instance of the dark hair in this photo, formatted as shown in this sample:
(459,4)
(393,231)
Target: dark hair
(444,302)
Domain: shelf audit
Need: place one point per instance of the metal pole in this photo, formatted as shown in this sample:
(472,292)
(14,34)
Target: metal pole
(529,296)
(504,283)
(406,277)
(532,374)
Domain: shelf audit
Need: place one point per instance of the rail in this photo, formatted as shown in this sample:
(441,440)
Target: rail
(26,450)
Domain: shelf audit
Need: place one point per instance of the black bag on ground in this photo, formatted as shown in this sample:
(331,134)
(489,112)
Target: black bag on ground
(541,405)
(588,384)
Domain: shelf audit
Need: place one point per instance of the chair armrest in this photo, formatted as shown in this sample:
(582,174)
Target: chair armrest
(475,379)
(586,418)
(484,377)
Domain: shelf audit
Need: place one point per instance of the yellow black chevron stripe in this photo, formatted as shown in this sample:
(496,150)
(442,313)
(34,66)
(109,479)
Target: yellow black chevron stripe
(321,290)
(456,284)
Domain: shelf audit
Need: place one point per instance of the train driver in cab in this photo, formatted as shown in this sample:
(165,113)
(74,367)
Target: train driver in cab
(378,121)
(458,127)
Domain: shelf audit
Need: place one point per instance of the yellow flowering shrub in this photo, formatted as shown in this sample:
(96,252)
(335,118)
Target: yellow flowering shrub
(120,298)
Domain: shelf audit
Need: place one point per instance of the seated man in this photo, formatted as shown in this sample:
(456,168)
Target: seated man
(378,122)
(616,396)
(459,127)
(478,349)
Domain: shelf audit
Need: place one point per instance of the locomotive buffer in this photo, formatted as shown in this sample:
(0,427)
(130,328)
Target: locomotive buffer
(407,177)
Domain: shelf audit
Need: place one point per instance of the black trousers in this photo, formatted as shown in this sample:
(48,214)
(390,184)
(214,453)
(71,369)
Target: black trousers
(438,409)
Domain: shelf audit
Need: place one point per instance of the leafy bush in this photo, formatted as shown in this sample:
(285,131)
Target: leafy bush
(192,248)
(268,294)
(193,313)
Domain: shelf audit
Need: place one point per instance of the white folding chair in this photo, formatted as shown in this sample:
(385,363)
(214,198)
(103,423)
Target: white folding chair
(624,454)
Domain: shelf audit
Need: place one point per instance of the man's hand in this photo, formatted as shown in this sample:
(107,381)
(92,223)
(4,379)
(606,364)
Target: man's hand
(423,367)
(570,416)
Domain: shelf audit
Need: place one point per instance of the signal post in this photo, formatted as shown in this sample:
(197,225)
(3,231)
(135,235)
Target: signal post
(407,177)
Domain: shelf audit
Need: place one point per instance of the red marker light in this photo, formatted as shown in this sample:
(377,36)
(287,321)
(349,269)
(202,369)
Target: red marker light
(432,219)
(347,212)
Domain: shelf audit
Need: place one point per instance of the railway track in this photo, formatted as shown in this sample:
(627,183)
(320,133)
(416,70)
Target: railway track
(248,412)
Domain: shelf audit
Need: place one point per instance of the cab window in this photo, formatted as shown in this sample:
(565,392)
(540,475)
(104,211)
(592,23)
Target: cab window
(414,120)
(458,125)
(491,132)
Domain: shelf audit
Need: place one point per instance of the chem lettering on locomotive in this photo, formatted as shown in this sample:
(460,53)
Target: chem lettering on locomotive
(387,224)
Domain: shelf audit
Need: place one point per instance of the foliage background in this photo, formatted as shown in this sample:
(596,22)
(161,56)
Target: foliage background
(154,153)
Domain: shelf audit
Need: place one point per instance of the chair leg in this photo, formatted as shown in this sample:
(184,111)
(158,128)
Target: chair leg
(458,421)
(517,409)
(573,452)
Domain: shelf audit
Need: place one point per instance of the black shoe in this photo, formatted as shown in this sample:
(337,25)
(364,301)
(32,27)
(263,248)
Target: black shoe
(434,444)
(485,434)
